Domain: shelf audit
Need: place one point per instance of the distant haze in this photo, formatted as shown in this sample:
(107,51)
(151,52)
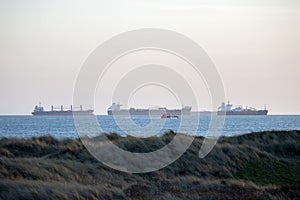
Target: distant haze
(254,44)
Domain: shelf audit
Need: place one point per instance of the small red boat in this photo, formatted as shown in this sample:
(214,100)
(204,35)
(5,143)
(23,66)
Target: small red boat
(169,116)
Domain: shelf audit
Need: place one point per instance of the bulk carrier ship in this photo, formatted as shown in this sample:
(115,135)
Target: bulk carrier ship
(115,109)
(39,111)
(239,110)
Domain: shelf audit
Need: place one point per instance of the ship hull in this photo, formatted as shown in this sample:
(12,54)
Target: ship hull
(62,113)
(204,113)
(254,112)
(158,112)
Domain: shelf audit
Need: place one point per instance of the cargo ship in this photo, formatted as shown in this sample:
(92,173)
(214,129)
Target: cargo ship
(39,111)
(115,109)
(227,109)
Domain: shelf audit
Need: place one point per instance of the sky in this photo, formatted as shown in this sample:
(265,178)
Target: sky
(253,44)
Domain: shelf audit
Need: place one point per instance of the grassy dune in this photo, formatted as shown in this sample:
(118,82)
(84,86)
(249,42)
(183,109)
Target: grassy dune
(254,166)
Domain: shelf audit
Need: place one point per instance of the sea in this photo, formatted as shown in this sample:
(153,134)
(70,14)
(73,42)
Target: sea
(64,126)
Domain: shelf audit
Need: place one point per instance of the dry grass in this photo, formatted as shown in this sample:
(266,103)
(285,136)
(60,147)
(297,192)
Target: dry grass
(253,166)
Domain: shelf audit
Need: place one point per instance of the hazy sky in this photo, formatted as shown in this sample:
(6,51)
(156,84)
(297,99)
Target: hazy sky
(253,43)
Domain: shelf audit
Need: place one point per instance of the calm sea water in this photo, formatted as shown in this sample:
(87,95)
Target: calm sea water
(63,127)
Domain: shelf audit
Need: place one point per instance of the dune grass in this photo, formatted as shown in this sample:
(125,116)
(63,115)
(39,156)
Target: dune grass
(262,165)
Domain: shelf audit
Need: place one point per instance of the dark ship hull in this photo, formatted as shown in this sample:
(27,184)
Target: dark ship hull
(204,113)
(63,113)
(159,112)
(244,112)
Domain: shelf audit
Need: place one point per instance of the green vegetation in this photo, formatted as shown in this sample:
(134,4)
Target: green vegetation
(253,166)
(266,172)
